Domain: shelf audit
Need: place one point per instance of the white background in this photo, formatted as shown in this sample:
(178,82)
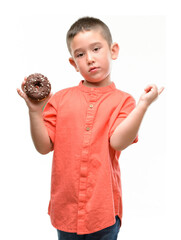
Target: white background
(33,40)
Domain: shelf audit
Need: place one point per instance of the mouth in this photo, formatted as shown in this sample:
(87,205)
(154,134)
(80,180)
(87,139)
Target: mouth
(93,69)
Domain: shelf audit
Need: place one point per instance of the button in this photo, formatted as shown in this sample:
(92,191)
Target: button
(91,105)
(83,171)
(83,186)
(82,197)
(81,213)
(87,128)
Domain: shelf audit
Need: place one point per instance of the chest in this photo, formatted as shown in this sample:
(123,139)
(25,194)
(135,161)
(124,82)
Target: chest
(86,108)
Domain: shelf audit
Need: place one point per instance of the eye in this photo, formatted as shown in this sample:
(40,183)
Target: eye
(96,49)
(80,55)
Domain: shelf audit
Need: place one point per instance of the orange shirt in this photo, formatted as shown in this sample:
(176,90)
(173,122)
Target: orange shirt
(86,183)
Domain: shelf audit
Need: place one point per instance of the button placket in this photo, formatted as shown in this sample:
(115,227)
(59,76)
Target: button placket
(84,164)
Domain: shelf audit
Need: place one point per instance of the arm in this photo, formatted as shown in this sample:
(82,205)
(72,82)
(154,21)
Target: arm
(127,131)
(39,132)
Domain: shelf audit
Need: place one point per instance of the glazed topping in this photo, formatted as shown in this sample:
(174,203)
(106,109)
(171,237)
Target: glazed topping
(37,87)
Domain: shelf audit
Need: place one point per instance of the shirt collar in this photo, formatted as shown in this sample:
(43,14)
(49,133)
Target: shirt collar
(108,88)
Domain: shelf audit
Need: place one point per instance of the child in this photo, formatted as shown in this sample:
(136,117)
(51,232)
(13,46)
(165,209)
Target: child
(88,126)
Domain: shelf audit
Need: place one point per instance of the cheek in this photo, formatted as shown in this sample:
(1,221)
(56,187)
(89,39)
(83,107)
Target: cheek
(106,62)
(79,64)
(106,57)
(82,67)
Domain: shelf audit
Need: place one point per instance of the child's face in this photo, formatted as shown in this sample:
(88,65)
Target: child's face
(91,56)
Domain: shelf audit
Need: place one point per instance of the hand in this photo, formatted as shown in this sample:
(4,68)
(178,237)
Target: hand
(150,94)
(34,106)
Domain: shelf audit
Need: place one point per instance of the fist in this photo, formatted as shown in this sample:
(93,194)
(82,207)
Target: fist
(150,94)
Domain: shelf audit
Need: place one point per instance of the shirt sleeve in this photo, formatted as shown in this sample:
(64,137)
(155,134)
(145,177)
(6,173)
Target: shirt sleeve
(49,117)
(121,113)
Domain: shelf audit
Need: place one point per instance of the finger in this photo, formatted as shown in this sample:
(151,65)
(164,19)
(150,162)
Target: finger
(150,88)
(23,83)
(147,89)
(22,94)
(50,95)
(19,92)
(160,90)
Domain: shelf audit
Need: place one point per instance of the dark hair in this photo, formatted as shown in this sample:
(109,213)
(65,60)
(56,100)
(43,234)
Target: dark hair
(87,24)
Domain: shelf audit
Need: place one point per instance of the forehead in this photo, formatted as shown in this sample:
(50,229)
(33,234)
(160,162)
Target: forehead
(86,38)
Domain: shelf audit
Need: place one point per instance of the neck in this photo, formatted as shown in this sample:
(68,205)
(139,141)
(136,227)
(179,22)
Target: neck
(96,84)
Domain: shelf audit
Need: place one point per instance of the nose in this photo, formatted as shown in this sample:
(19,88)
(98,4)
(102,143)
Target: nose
(90,58)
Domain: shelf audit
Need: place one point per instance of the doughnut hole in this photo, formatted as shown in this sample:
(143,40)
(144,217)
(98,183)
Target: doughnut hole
(38,85)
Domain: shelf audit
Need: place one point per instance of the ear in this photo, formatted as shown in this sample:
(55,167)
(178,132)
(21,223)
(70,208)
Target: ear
(114,51)
(72,62)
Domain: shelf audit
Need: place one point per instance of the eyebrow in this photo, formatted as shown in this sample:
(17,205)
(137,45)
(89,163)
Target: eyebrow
(91,45)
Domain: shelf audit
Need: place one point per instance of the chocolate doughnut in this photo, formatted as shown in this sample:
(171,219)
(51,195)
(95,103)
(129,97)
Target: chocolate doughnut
(37,87)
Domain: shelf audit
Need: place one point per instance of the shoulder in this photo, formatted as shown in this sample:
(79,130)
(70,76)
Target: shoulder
(64,91)
(59,96)
(122,95)
(61,93)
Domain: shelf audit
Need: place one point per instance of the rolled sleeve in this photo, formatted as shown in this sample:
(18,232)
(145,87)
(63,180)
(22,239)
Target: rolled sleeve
(121,113)
(49,117)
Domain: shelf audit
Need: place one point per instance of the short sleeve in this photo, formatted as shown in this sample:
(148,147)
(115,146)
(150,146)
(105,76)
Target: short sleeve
(121,113)
(49,117)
